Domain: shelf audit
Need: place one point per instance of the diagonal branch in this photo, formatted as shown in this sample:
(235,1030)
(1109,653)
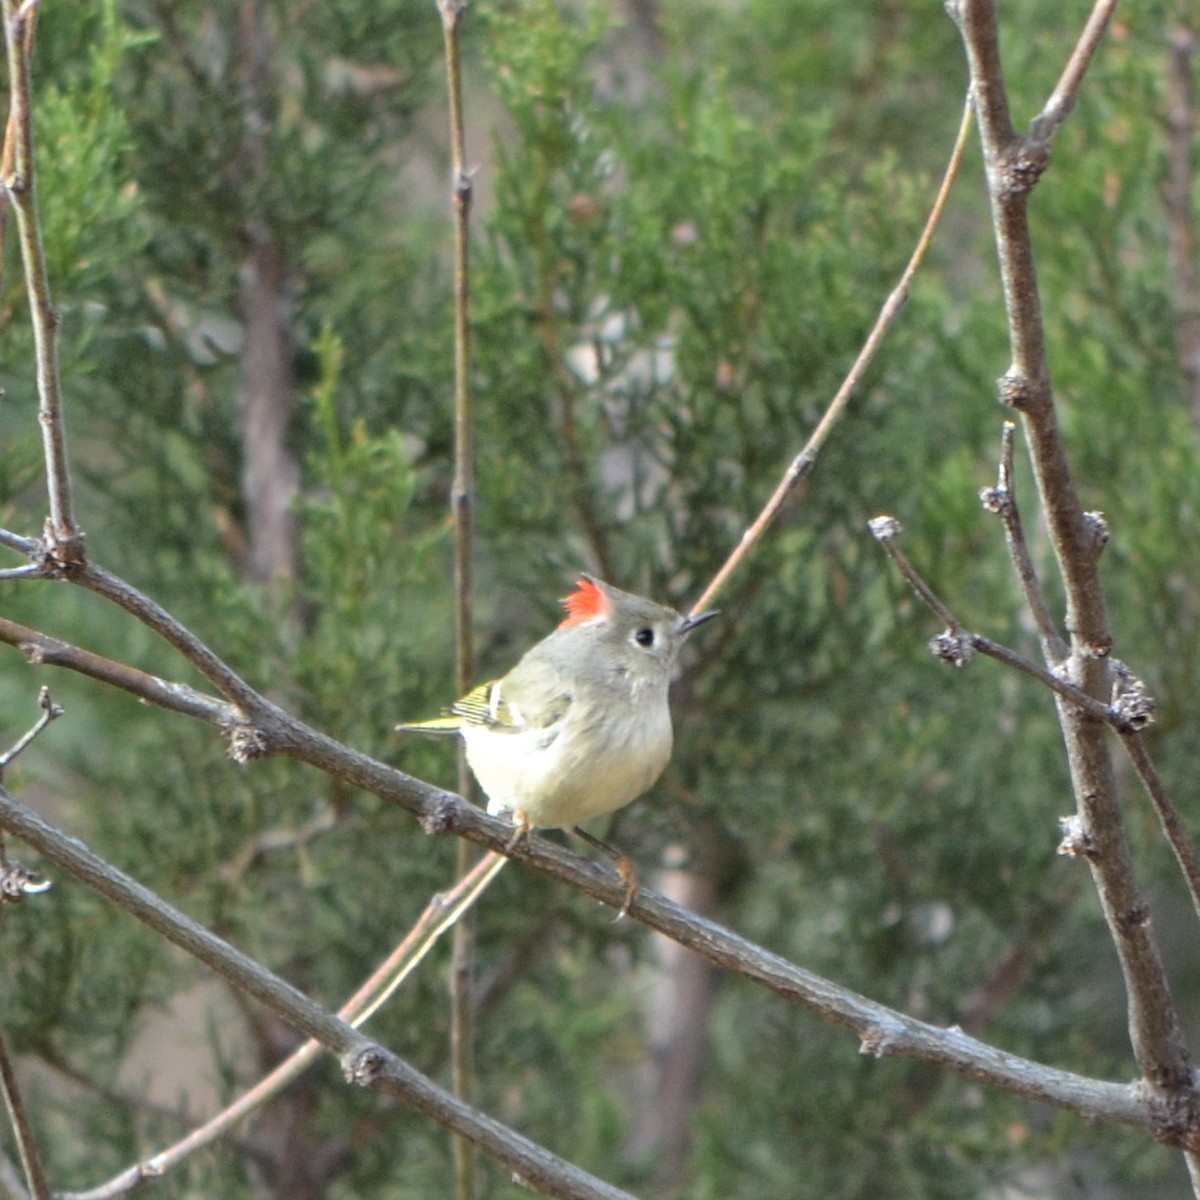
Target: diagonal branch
(802,465)
(1066,92)
(43,650)
(440,912)
(364,1062)
(1169,819)
(883,1031)
(50,712)
(957,644)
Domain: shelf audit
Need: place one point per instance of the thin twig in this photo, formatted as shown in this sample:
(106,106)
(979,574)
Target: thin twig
(1002,500)
(462,967)
(31,1159)
(956,645)
(804,462)
(43,650)
(1169,819)
(1179,208)
(63,536)
(22,545)
(1066,92)
(50,712)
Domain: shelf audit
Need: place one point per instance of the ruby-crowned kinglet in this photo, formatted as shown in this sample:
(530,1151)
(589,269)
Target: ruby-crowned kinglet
(581,725)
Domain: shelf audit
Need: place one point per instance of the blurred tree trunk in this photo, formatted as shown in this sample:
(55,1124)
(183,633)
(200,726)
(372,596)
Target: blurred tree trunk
(270,472)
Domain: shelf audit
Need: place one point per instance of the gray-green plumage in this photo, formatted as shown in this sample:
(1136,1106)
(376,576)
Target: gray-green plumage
(581,725)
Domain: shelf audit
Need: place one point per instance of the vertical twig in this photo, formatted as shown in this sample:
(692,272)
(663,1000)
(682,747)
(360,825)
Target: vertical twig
(462,497)
(31,1159)
(1002,500)
(804,462)
(63,537)
(1181,217)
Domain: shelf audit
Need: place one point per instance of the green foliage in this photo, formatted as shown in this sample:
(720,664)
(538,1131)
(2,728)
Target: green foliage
(677,254)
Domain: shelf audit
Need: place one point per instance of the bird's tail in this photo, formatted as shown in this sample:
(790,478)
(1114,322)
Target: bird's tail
(439,727)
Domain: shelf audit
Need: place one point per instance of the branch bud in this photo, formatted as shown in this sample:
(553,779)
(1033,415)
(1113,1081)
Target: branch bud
(954,646)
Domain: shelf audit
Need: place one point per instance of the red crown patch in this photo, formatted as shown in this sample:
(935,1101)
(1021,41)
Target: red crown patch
(584,606)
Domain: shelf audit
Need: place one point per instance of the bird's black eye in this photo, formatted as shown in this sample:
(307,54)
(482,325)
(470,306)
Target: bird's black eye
(644,637)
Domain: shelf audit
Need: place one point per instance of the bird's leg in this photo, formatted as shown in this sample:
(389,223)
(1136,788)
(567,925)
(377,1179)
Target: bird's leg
(521,820)
(624,867)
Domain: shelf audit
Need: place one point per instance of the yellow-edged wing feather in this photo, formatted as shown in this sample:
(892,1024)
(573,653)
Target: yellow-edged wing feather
(531,695)
(482,705)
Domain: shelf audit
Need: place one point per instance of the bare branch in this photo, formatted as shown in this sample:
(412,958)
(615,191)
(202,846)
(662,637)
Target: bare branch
(1178,189)
(365,1063)
(957,644)
(1066,92)
(224,678)
(441,910)
(64,539)
(50,712)
(462,504)
(1169,819)
(43,650)
(31,1159)
(802,466)
(1002,500)
(1013,165)
(22,545)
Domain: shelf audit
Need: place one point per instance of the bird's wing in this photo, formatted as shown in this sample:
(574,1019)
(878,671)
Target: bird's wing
(533,695)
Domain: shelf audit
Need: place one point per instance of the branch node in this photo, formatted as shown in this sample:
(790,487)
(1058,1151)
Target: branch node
(17,882)
(996,500)
(464,186)
(885,528)
(881,1038)
(1018,171)
(1095,528)
(1132,706)
(247,742)
(1013,391)
(1137,916)
(61,553)
(1077,841)
(363,1065)
(953,646)
(441,816)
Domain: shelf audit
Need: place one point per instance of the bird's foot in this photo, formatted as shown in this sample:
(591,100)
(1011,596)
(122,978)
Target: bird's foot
(628,877)
(624,868)
(523,828)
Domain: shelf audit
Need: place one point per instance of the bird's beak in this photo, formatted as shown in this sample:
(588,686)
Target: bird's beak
(689,623)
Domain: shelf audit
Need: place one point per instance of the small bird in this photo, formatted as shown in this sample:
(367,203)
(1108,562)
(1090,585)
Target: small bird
(581,725)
